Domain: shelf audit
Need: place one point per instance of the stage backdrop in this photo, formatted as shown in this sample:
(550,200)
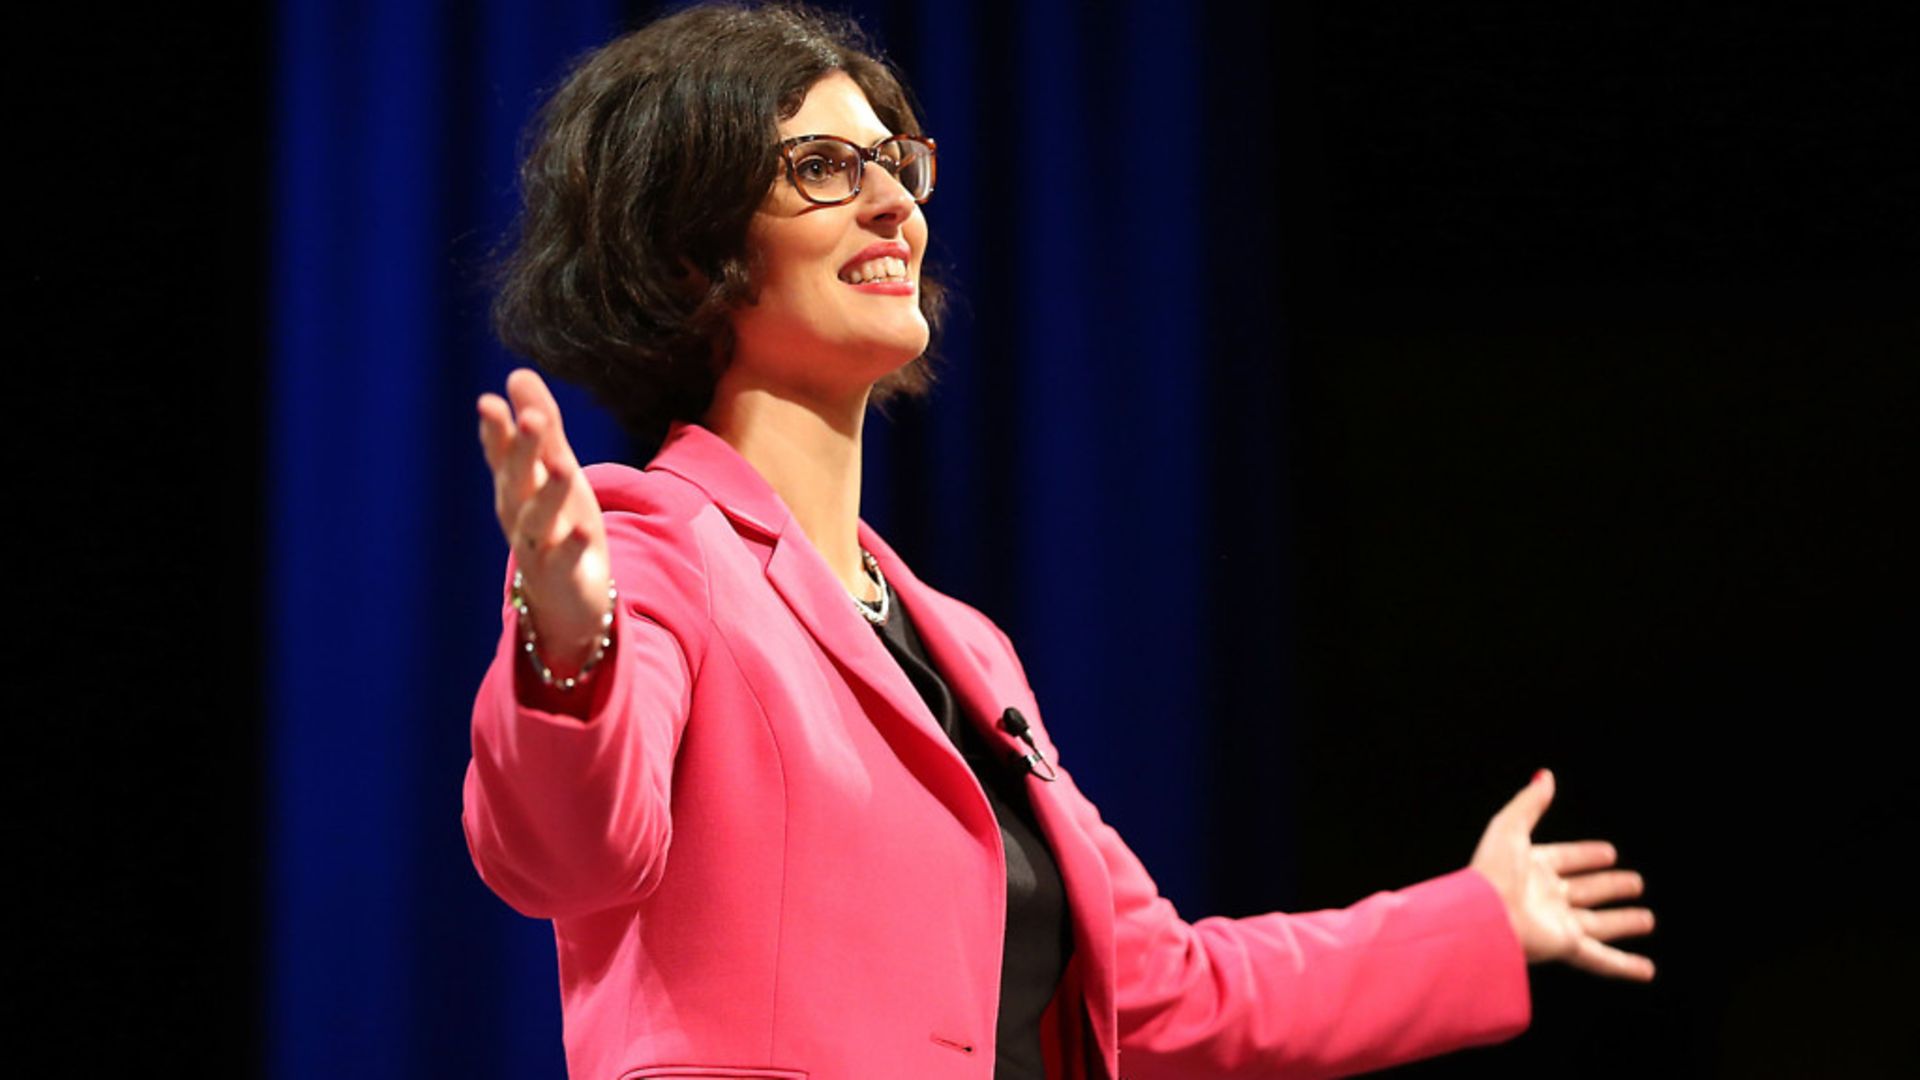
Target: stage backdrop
(1349,408)
(1096,469)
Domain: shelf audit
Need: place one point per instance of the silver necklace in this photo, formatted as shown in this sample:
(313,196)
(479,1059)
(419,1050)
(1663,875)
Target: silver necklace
(875,613)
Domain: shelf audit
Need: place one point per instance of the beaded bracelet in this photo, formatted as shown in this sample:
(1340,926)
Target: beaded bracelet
(518,598)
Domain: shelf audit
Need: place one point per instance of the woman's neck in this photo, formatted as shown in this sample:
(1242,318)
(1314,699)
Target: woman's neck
(809,453)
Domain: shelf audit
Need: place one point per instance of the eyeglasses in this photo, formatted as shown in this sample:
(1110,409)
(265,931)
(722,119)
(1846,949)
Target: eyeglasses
(826,169)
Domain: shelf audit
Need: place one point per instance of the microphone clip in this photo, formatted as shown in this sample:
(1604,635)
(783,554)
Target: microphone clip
(1016,725)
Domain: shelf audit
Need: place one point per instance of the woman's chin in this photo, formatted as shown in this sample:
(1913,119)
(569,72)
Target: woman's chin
(884,356)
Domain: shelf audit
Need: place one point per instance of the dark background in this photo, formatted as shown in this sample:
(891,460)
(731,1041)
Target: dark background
(1581,346)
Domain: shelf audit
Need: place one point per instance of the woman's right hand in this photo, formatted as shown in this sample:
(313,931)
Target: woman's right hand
(550,518)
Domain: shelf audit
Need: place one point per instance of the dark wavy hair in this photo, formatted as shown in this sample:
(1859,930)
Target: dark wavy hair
(643,172)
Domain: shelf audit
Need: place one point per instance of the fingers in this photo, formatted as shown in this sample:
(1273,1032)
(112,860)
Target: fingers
(524,447)
(1576,856)
(504,428)
(521,471)
(532,397)
(1611,923)
(1591,955)
(538,526)
(526,391)
(529,391)
(1593,890)
(1525,808)
(496,428)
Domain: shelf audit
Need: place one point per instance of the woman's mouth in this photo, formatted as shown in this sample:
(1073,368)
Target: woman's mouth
(880,268)
(884,268)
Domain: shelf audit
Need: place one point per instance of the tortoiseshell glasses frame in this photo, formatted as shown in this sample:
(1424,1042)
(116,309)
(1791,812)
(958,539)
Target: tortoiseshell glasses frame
(818,165)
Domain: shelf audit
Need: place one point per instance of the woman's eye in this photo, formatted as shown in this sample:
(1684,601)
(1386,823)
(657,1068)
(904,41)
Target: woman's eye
(819,168)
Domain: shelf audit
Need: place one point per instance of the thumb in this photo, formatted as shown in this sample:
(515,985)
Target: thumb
(1527,807)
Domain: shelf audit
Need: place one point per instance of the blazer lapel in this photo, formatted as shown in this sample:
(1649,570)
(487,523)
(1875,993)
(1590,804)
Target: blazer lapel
(809,588)
(1083,871)
(815,596)
(822,605)
(934,614)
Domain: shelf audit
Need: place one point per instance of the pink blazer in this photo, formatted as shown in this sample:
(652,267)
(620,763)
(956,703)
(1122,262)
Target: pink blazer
(763,858)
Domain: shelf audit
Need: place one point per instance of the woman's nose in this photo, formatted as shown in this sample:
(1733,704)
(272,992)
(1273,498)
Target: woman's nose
(883,198)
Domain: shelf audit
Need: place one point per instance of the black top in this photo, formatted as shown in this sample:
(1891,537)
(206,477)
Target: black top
(1039,938)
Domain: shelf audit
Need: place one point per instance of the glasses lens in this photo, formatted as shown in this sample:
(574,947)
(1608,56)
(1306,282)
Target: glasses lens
(824,169)
(911,161)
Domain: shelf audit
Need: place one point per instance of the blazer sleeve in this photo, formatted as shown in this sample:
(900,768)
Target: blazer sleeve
(567,797)
(1397,977)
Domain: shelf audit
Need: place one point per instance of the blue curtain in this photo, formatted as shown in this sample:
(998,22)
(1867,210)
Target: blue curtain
(1066,476)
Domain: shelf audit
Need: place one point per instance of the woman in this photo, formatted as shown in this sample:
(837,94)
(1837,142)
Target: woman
(791,811)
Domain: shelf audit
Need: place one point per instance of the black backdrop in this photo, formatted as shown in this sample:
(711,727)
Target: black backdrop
(1592,338)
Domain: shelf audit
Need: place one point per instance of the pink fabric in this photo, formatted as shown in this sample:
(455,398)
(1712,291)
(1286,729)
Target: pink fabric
(763,858)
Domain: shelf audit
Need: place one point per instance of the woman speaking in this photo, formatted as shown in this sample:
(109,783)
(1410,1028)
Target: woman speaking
(792,811)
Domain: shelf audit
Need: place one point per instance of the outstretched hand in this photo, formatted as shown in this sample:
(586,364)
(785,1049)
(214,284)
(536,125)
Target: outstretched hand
(549,516)
(1553,891)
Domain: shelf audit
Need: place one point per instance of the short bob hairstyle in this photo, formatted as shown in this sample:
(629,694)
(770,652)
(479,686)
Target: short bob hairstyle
(644,170)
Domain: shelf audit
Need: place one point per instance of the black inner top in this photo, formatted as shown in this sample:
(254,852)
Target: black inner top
(1039,938)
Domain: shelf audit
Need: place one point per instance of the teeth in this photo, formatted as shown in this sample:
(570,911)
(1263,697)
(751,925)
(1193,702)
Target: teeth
(885,268)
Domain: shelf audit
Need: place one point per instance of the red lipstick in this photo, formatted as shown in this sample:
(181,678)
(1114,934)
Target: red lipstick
(881,249)
(886,287)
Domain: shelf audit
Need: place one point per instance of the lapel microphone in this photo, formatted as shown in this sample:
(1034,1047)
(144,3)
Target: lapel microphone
(1013,723)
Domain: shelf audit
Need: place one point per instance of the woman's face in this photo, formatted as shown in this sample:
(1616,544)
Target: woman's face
(815,332)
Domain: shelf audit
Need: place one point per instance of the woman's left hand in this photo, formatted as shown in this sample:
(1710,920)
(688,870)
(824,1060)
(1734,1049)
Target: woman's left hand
(1552,890)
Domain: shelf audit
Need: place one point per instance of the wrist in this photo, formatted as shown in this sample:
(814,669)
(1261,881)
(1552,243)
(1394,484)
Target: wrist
(578,653)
